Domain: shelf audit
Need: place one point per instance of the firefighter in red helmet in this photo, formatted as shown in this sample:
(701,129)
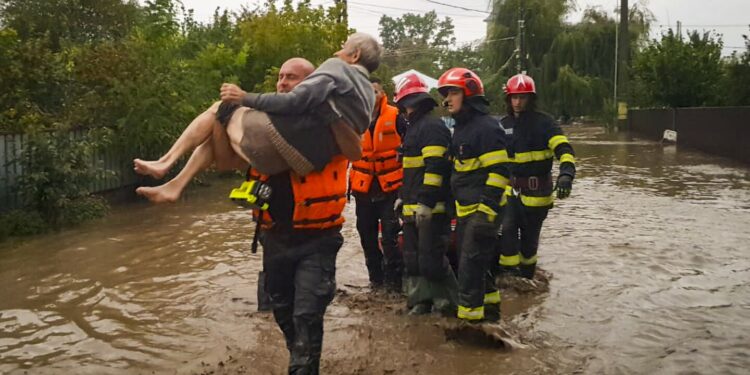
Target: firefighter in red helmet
(478,181)
(534,141)
(429,280)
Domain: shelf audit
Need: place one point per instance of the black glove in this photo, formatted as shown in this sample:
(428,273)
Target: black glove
(564,186)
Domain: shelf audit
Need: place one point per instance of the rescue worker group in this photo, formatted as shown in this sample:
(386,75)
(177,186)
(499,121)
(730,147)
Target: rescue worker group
(442,209)
(469,205)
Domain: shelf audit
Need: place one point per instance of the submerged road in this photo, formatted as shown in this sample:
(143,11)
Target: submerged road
(649,262)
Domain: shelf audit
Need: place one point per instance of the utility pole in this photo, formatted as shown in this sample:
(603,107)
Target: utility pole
(344,16)
(521,40)
(623,52)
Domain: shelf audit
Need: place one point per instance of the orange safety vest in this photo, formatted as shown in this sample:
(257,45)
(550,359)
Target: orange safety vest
(319,197)
(379,155)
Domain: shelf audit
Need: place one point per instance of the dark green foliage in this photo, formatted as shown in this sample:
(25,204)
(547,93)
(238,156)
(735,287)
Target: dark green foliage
(736,87)
(424,43)
(572,64)
(59,168)
(679,72)
(21,223)
(135,74)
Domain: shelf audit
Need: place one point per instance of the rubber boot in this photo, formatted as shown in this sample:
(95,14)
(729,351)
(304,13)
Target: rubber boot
(421,309)
(264,300)
(445,295)
(375,271)
(508,271)
(527,270)
(393,278)
(492,312)
(418,296)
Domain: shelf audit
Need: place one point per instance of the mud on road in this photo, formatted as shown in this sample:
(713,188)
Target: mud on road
(647,266)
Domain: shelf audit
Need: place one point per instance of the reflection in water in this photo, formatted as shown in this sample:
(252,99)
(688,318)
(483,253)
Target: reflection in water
(649,258)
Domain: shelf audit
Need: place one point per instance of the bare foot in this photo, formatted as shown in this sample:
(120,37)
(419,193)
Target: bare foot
(160,194)
(156,169)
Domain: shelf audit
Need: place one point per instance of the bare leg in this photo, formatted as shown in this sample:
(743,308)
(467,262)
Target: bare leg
(195,134)
(169,192)
(216,148)
(234,133)
(225,156)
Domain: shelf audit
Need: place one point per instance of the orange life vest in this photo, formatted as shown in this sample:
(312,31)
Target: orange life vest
(379,154)
(319,197)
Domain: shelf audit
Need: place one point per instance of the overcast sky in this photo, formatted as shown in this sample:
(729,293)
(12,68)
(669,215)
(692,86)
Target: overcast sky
(728,17)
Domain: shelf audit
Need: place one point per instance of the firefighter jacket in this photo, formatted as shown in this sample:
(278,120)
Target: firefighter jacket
(314,201)
(480,164)
(534,139)
(379,168)
(426,164)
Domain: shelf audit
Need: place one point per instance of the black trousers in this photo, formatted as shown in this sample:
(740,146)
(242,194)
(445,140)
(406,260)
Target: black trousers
(385,266)
(425,250)
(476,284)
(300,280)
(522,227)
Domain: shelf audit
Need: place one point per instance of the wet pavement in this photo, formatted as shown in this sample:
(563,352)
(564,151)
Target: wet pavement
(649,266)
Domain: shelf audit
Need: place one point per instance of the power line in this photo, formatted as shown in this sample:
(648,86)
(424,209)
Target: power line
(411,9)
(458,7)
(717,25)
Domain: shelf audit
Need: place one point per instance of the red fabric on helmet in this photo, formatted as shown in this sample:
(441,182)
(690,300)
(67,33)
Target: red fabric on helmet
(462,78)
(520,84)
(409,84)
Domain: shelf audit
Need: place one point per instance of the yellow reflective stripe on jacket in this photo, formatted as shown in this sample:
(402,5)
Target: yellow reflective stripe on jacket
(536,201)
(467,210)
(556,141)
(525,157)
(493,157)
(528,261)
(433,179)
(492,298)
(410,209)
(567,158)
(497,180)
(413,162)
(470,313)
(510,261)
(487,210)
(433,151)
(466,165)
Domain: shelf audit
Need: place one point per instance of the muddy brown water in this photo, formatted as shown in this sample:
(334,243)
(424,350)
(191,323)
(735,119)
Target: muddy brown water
(649,263)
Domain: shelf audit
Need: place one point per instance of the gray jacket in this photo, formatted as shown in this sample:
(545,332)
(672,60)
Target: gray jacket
(344,87)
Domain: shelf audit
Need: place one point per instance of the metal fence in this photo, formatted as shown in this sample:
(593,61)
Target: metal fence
(11,148)
(723,131)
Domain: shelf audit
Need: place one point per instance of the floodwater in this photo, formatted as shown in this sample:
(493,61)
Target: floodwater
(649,267)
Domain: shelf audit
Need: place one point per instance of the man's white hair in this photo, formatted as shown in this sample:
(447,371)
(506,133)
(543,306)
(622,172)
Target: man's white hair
(370,50)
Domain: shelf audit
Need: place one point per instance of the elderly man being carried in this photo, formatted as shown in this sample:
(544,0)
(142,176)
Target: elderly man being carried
(301,130)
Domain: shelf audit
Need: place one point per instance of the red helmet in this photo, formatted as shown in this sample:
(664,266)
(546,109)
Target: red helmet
(520,84)
(462,78)
(409,84)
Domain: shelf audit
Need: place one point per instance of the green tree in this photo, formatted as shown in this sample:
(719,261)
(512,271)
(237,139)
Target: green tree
(736,88)
(679,72)
(77,21)
(272,34)
(422,42)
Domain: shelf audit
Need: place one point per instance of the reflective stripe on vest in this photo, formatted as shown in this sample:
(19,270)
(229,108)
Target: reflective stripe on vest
(379,155)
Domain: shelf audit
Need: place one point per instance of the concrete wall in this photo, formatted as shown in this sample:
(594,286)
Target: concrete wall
(723,131)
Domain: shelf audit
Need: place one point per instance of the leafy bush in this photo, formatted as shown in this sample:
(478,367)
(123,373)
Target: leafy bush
(58,171)
(21,223)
